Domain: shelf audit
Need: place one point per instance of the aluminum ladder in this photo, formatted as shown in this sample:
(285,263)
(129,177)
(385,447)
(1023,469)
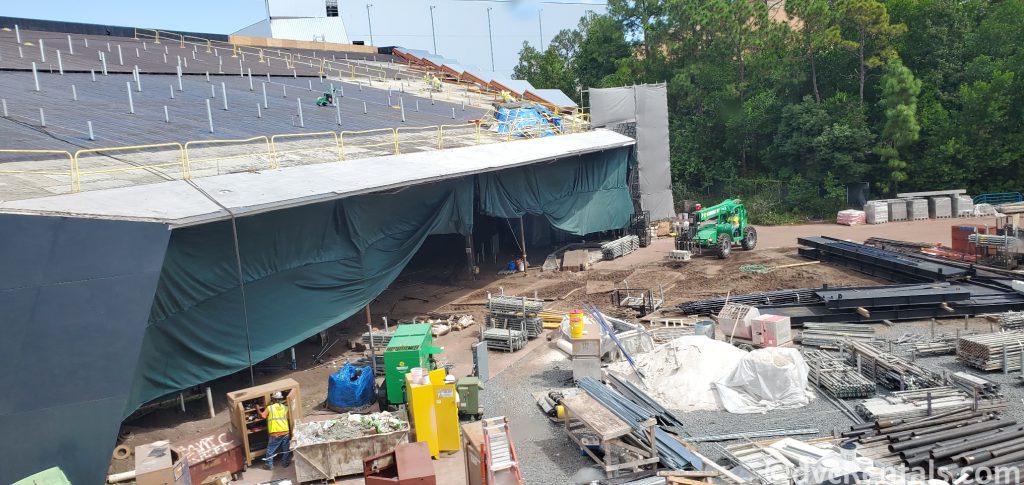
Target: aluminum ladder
(501,453)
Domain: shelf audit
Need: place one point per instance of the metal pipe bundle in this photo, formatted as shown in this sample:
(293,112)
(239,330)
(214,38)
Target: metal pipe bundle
(620,247)
(830,335)
(672,453)
(992,351)
(917,403)
(889,370)
(830,373)
(1011,321)
(504,339)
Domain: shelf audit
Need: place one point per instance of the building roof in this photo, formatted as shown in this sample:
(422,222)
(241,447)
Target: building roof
(516,86)
(178,203)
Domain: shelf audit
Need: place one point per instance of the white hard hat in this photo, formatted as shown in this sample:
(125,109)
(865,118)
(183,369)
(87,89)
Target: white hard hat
(448,379)
(277,395)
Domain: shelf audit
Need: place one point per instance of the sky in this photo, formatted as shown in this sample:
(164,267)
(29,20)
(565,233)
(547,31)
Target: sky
(460,26)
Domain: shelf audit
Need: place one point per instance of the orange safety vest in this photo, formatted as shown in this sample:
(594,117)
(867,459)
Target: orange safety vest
(277,418)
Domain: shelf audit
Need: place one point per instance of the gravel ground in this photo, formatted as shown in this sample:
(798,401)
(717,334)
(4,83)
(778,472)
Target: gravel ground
(545,452)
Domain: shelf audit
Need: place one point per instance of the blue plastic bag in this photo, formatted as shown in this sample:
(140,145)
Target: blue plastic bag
(350,387)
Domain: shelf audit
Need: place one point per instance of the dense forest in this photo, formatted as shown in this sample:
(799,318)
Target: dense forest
(785,102)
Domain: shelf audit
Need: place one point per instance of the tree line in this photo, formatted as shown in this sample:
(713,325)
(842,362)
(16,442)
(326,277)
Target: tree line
(903,94)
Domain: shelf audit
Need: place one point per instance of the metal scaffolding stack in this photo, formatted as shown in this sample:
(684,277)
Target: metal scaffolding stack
(831,374)
(783,297)
(889,370)
(379,338)
(992,351)
(919,403)
(511,321)
(620,247)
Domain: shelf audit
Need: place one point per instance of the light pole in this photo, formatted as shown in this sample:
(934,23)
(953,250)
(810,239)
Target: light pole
(369,22)
(490,37)
(540,25)
(433,34)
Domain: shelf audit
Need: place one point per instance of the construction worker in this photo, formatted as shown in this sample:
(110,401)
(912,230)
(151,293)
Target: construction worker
(735,221)
(277,427)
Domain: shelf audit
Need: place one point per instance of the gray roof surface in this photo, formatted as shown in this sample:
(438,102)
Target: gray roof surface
(555,97)
(105,103)
(177,203)
(151,56)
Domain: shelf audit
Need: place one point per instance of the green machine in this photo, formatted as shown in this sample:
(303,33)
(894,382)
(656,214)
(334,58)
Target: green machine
(726,227)
(411,346)
(469,396)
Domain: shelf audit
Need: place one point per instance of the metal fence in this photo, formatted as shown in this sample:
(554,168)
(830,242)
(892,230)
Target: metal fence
(127,165)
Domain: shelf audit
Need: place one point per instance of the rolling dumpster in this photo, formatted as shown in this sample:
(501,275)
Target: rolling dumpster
(411,346)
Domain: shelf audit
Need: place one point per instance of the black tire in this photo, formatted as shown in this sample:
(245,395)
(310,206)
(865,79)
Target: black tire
(750,238)
(724,246)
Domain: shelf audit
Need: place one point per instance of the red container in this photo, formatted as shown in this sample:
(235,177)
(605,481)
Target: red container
(960,235)
(219,451)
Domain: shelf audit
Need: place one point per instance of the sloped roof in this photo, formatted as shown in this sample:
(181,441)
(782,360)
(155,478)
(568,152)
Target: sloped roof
(555,97)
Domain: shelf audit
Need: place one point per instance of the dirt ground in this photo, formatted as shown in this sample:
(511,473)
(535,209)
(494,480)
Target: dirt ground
(450,290)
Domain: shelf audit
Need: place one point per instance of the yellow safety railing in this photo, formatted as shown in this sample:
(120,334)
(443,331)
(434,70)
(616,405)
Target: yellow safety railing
(276,153)
(455,130)
(383,133)
(70,172)
(190,146)
(422,135)
(131,167)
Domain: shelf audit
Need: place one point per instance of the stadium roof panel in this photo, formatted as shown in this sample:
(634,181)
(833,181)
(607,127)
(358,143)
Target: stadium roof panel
(177,203)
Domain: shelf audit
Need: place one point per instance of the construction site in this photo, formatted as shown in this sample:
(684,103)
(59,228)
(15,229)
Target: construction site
(245,260)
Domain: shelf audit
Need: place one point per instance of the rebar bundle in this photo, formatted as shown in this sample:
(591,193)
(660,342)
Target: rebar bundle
(830,373)
(889,370)
(712,306)
(620,247)
(992,351)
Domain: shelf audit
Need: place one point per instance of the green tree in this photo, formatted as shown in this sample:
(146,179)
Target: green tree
(874,32)
(819,32)
(901,129)
(547,69)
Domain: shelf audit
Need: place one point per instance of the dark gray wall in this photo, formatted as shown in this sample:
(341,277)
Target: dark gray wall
(75,296)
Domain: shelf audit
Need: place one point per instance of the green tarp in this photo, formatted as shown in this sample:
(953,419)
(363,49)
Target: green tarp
(579,195)
(305,268)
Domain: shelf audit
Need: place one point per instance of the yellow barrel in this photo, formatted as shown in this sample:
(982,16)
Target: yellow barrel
(576,323)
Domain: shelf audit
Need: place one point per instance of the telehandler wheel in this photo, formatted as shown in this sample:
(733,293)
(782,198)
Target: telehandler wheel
(724,246)
(750,239)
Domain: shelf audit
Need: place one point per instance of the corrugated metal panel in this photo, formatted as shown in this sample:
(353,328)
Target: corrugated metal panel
(326,29)
(555,97)
(516,86)
(258,29)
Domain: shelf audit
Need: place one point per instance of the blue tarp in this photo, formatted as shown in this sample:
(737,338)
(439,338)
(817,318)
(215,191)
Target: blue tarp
(530,120)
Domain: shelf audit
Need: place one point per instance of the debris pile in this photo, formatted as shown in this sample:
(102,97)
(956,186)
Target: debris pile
(346,427)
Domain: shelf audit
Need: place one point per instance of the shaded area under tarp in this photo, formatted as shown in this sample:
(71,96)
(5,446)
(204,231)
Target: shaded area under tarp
(306,269)
(579,195)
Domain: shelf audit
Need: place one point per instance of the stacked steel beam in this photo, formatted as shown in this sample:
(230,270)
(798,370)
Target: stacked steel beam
(976,385)
(878,262)
(950,446)
(831,374)
(992,351)
(620,247)
(830,335)
(889,370)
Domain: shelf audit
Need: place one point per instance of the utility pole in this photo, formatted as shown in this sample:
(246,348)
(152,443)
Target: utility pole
(540,26)
(369,22)
(490,37)
(433,33)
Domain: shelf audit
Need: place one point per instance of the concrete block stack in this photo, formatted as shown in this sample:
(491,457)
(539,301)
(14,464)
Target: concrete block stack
(963,206)
(897,210)
(876,212)
(917,209)
(940,207)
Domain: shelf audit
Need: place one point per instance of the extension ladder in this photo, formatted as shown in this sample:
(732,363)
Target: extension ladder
(501,462)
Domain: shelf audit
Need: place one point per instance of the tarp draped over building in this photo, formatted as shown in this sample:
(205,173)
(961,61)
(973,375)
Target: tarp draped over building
(306,268)
(578,195)
(647,106)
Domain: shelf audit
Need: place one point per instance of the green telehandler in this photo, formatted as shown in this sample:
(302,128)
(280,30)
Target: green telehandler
(726,227)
